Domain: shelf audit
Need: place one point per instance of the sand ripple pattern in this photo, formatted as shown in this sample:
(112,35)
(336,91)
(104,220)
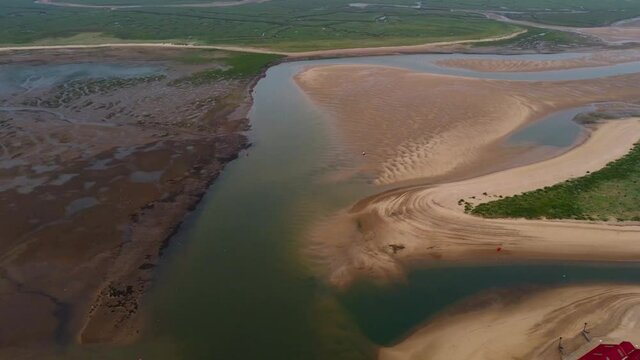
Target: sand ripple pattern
(421,126)
(523,65)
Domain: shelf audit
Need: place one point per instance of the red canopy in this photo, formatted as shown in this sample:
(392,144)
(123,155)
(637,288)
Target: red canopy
(623,351)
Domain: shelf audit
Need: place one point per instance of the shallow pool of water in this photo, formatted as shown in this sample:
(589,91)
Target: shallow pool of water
(21,78)
(558,129)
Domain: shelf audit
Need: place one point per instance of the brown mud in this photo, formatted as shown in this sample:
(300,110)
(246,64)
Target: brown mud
(94,182)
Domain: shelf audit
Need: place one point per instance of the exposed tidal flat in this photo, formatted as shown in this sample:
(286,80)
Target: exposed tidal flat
(240,281)
(100,160)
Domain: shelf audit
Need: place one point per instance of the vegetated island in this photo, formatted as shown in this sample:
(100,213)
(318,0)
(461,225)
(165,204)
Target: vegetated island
(610,193)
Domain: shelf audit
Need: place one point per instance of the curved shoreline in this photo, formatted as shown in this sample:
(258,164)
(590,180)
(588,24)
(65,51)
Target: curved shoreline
(526,325)
(378,236)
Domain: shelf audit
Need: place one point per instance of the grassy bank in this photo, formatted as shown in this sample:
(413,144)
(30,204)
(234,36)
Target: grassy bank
(610,193)
(234,66)
(293,25)
(286,25)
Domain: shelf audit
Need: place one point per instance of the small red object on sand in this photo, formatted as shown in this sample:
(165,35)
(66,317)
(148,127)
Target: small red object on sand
(499,249)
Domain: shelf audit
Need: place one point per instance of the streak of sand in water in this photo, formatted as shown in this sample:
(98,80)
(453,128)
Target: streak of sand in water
(416,126)
(527,65)
(527,325)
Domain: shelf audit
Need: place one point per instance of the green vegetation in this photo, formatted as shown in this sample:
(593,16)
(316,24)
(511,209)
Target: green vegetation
(234,66)
(612,192)
(288,25)
(581,13)
(144,2)
(293,25)
(536,37)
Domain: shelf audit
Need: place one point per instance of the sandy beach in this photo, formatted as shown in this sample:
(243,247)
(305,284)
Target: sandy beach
(426,222)
(527,325)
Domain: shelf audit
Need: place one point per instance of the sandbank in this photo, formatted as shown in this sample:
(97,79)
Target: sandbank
(524,65)
(528,325)
(421,125)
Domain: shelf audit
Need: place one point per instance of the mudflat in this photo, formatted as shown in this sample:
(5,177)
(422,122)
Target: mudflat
(97,171)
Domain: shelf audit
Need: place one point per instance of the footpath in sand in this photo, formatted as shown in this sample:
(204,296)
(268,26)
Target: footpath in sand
(527,325)
(421,126)
(365,51)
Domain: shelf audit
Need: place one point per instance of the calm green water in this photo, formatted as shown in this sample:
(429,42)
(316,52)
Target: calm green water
(233,285)
(557,129)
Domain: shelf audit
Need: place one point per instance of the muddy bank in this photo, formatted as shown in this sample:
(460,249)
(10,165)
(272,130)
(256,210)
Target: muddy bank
(102,155)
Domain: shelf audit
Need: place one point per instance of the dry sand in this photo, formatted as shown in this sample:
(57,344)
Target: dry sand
(522,65)
(456,119)
(527,325)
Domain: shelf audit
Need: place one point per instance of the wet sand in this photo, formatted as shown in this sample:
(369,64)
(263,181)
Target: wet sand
(456,119)
(416,125)
(527,325)
(502,65)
